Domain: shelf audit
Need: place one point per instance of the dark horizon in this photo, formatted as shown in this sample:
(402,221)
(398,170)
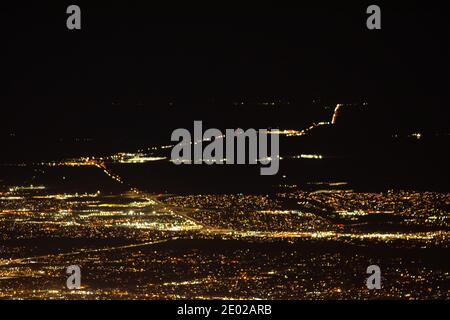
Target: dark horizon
(145,57)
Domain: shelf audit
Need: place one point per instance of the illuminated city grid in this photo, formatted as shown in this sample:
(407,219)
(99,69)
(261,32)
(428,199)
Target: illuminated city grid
(291,244)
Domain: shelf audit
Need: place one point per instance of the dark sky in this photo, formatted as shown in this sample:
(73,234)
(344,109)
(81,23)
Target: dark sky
(131,52)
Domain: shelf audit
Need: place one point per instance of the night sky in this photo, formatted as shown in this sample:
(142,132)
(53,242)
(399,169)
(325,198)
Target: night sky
(136,53)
